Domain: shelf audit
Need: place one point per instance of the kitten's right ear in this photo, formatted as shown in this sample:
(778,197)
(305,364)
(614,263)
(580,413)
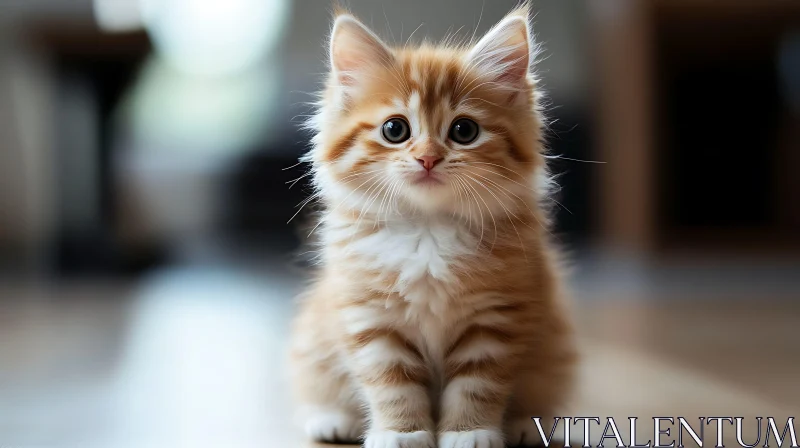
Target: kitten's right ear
(354,47)
(506,51)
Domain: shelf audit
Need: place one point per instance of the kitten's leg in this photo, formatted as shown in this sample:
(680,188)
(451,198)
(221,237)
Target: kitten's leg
(479,374)
(393,376)
(330,409)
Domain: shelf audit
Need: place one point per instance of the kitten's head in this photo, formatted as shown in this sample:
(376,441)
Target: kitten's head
(441,129)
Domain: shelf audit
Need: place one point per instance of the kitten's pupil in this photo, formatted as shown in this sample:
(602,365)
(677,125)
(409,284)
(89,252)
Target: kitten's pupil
(464,131)
(396,130)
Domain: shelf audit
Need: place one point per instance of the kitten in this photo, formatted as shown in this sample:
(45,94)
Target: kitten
(436,317)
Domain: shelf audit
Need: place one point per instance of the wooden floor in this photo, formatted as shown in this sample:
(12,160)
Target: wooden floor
(194,358)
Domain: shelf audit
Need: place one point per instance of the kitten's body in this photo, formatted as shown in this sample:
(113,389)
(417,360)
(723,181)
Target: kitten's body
(436,315)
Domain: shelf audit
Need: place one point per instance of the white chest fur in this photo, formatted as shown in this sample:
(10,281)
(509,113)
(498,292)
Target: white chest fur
(423,255)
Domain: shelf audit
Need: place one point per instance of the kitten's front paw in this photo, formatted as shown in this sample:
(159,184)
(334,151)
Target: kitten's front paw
(334,426)
(393,439)
(479,438)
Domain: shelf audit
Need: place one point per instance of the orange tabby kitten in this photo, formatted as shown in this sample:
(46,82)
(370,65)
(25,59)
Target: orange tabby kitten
(436,318)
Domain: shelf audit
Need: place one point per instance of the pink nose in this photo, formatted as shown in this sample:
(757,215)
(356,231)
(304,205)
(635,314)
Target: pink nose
(429,161)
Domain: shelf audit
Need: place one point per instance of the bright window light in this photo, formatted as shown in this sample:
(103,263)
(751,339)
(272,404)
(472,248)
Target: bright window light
(118,16)
(210,37)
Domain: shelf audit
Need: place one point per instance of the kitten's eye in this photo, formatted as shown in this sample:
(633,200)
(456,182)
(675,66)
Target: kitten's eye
(396,130)
(464,131)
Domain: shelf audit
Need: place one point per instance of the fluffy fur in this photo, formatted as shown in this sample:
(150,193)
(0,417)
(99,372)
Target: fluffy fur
(436,317)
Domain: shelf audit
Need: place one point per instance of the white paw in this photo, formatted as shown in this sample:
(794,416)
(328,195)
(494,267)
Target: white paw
(334,426)
(523,432)
(393,439)
(479,438)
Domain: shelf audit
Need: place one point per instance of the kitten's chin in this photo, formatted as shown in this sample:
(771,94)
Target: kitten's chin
(430,195)
(427,179)
(428,182)
(427,187)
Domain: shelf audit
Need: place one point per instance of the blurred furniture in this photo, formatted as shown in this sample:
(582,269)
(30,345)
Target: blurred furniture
(695,126)
(91,71)
(63,78)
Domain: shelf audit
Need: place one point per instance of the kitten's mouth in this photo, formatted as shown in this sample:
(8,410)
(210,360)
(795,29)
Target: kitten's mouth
(428,178)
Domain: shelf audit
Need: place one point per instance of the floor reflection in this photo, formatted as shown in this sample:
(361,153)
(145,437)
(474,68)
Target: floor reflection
(193,357)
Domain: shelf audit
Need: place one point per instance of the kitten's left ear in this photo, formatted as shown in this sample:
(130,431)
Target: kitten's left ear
(504,53)
(353,48)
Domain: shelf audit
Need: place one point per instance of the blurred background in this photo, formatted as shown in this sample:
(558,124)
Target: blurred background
(147,149)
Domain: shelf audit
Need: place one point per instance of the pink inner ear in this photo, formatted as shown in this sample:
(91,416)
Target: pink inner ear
(518,58)
(517,69)
(344,67)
